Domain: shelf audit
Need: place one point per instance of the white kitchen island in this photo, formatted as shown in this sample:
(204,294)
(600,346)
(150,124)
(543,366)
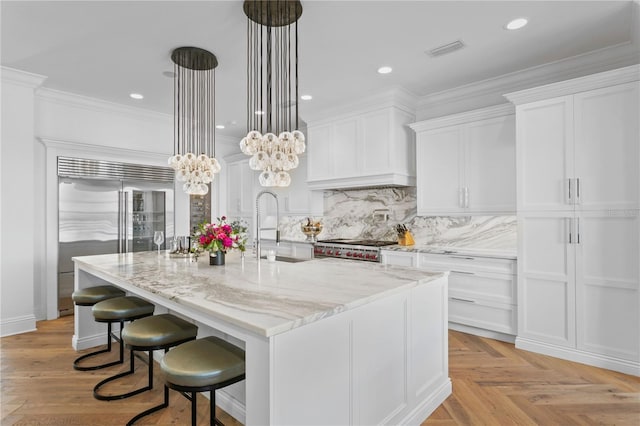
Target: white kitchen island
(327,341)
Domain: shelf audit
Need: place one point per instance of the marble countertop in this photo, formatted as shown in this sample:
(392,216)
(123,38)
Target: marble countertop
(463,251)
(267,298)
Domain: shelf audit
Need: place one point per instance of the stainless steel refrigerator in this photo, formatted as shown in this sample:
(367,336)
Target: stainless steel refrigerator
(108,207)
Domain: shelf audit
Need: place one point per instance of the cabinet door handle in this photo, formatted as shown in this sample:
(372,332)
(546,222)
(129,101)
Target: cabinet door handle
(577,190)
(569,198)
(462,257)
(459,299)
(577,230)
(569,225)
(463,272)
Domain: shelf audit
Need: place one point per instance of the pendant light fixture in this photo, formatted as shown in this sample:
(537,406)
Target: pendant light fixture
(194,119)
(273,140)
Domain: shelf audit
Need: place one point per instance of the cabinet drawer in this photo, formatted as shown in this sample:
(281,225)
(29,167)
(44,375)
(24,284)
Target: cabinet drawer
(490,287)
(453,262)
(399,258)
(489,316)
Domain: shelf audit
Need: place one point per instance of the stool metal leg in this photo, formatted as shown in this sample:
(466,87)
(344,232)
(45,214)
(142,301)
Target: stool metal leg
(131,370)
(194,417)
(110,335)
(165,404)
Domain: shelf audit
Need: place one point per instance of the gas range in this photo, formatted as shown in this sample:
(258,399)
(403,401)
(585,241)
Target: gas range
(356,249)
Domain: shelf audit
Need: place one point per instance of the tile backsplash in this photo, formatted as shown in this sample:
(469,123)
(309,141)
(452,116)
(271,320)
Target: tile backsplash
(373,213)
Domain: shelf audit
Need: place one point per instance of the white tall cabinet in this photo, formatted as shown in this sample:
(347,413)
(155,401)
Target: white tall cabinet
(465,163)
(578,160)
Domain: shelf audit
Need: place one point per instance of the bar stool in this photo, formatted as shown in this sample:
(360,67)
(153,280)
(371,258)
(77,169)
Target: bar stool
(149,334)
(88,297)
(201,365)
(121,309)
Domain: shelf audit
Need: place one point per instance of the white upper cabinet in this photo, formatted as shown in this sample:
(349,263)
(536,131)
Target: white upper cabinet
(580,151)
(240,195)
(466,163)
(607,156)
(296,198)
(371,148)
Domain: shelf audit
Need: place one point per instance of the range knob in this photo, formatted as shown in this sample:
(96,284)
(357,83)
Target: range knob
(337,252)
(329,252)
(349,254)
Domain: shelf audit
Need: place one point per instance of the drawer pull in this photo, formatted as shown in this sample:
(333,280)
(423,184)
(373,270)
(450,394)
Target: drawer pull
(458,299)
(463,257)
(463,272)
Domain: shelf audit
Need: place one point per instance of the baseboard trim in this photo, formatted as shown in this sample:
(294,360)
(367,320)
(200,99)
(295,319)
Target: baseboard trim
(596,360)
(17,325)
(231,406)
(496,335)
(89,341)
(428,406)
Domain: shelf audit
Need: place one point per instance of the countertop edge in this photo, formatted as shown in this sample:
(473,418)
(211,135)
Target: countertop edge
(464,251)
(274,330)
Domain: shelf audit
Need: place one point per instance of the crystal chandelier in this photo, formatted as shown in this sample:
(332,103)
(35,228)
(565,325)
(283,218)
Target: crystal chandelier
(272,90)
(194,119)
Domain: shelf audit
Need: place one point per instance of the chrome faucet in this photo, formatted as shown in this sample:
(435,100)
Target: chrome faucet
(258,229)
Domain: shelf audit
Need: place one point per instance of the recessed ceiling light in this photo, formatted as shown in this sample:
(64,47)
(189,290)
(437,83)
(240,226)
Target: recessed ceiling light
(136,96)
(385,70)
(259,112)
(219,126)
(306,97)
(516,24)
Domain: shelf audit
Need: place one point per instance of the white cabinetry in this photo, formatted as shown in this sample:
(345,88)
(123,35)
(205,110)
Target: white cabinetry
(297,199)
(578,160)
(482,291)
(466,163)
(287,248)
(240,194)
(363,149)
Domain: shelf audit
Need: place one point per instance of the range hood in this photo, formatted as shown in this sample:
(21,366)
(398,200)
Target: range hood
(371,148)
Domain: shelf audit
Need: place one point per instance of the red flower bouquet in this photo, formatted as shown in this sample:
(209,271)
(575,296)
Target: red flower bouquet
(222,236)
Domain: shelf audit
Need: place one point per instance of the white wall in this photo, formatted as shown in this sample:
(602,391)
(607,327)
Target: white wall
(17,234)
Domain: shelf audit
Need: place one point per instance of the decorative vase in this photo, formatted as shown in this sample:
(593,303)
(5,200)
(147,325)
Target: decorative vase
(217,259)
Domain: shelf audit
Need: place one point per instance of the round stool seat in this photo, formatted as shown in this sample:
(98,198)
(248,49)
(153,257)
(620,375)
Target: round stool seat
(122,308)
(203,362)
(91,295)
(158,331)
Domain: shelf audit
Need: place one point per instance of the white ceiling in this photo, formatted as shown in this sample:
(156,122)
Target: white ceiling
(108,49)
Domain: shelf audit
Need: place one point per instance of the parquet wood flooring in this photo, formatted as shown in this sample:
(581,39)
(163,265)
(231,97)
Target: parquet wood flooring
(493,384)
(496,384)
(40,387)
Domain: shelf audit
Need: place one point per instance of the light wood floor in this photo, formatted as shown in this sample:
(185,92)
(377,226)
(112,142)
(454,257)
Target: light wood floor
(493,384)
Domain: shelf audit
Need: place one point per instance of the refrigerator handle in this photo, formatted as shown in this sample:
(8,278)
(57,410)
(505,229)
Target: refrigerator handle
(119,221)
(126,221)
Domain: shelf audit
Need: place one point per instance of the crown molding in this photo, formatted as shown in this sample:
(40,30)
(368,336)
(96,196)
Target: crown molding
(98,105)
(612,57)
(464,117)
(576,85)
(396,97)
(21,78)
(98,152)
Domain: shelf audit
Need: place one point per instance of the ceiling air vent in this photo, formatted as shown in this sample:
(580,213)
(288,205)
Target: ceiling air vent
(446,48)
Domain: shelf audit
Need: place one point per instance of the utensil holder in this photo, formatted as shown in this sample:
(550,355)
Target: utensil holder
(406,239)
